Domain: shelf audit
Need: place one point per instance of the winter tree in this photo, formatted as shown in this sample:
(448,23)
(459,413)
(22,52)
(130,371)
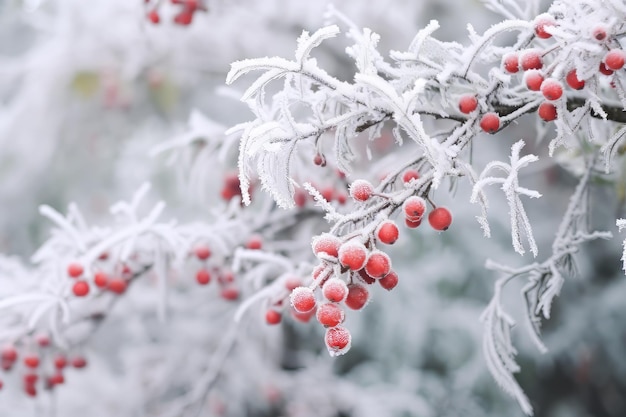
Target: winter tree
(289,209)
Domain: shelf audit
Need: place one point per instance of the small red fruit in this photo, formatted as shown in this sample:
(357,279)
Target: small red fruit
(203,277)
(468,104)
(230,293)
(56,379)
(358,295)
(412,224)
(184,18)
(31,361)
(80,288)
(330,314)
(361,190)
(366,277)
(9,353)
(547,111)
(43,340)
(154,17)
(389,281)
(573,81)
(337,340)
(273,316)
(302,299)
(79,362)
(533,80)
(30,378)
(60,362)
(614,59)
(100,279)
(327,243)
(410,175)
(335,290)
(202,252)
(255,242)
(319,160)
(541,22)
(75,270)
(440,218)
(353,255)
(552,89)
(117,285)
(490,122)
(378,263)
(387,232)
(414,208)
(531,60)
(604,70)
(302,317)
(599,33)
(511,63)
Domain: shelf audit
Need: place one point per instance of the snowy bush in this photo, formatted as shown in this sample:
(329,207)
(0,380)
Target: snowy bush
(359,238)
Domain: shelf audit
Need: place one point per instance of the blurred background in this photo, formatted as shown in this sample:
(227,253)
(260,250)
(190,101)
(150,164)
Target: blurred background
(89,89)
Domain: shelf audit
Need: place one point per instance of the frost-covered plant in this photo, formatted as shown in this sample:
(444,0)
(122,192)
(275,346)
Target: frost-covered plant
(343,161)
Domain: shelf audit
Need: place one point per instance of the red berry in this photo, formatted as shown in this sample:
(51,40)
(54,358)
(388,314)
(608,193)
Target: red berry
(409,175)
(573,81)
(56,379)
(292,282)
(604,70)
(337,340)
(614,59)
(389,281)
(412,224)
(327,243)
(533,80)
(414,207)
(154,17)
(541,22)
(531,60)
(31,361)
(335,290)
(366,277)
(255,242)
(330,314)
(378,264)
(203,277)
(183,18)
(30,390)
(387,232)
(511,63)
(302,299)
(9,353)
(60,362)
(490,122)
(80,288)
(79,362)
(30,378)
(552,89)
(1,384)
(342,198)
(202,252)
(328,193)
(75,270)
(6,365)
(361,190)
(100,279)
(117,285)
(353,255)
(358,295)
(599,33)
(273,317)
(547,111)
(43,340)
(230,293)
(440,218)
(299,198)
(319,160)
(468,104)
(303,317)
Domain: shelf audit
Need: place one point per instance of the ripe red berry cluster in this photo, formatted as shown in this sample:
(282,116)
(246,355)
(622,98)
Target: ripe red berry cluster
(535,78)
(40,367)
(185,15)
(225,278)
(231,187)
(115,280)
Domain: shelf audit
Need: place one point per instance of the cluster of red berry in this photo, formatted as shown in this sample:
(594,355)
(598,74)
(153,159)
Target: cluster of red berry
(537,79)
(39,366)
(348,266)
(184,16)
(115,281)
